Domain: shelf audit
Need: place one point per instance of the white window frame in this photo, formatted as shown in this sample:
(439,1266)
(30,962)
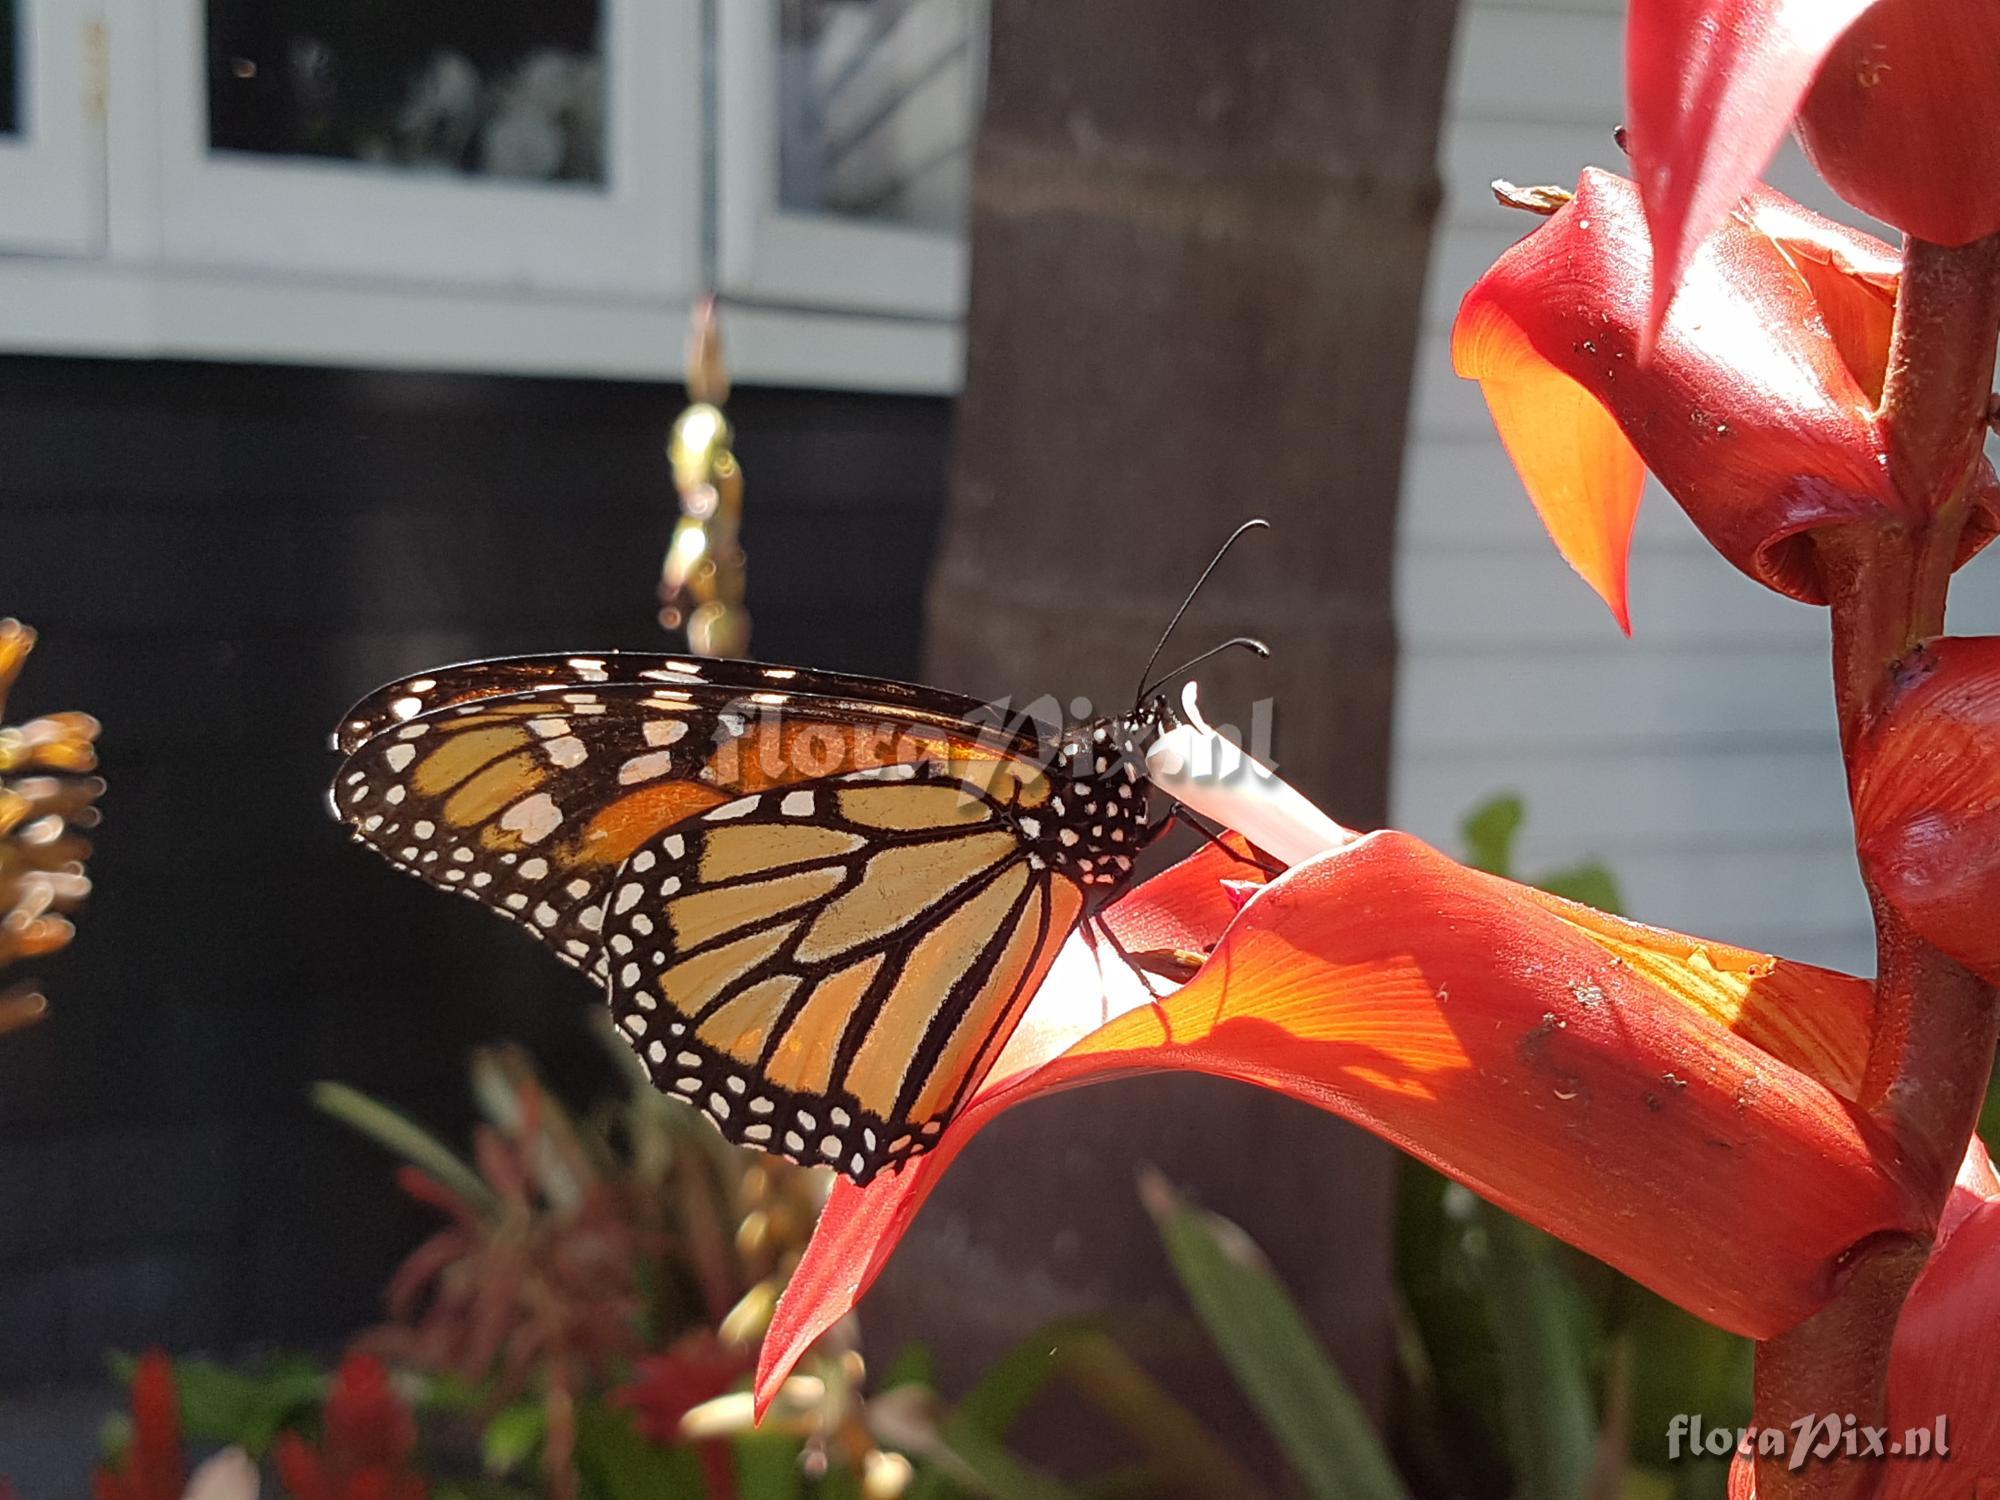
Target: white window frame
(639,234)
(52,173)
(767,254)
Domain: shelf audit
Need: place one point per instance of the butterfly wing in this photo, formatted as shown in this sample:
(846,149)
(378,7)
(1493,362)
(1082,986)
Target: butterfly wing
(818,902)
(410,698)
(827,970)
(524,783)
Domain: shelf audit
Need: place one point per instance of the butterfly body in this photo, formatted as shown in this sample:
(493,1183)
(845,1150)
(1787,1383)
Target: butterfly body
(817,904)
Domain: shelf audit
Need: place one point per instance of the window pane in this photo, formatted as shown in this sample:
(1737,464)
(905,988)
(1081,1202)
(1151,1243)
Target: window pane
(877,104)
(10,85)
(495,88)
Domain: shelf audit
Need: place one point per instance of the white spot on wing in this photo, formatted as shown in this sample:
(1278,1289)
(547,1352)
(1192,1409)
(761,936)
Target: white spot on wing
(645,767)
(534,818)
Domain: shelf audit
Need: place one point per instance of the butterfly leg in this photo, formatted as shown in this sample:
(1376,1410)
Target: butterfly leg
(1257,859)
(1176,966)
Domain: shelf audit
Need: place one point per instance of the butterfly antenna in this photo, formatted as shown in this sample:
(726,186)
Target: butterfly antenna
(1248,642)
(1256,523)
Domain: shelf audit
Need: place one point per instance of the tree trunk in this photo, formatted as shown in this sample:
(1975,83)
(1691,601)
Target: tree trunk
(1199,235)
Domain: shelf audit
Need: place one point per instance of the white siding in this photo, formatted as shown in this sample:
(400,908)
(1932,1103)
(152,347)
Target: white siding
(1696,759)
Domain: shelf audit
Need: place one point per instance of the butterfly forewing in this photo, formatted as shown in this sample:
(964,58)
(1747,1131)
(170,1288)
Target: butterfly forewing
(714,681)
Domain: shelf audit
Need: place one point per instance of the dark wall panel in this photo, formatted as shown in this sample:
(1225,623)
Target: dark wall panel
(220,559)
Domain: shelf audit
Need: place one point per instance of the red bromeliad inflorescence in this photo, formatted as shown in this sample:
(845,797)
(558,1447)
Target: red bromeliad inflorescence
(1743,1150)
(1814,399)
(1757,410)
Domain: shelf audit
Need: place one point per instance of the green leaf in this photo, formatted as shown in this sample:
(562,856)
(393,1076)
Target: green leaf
(1544,1348)
(912,1366)
(1004,1391)
(1641,1484)
(404,1136)
(1178,1442)
(1489,831)
(984,1460)
(512,1436)
(1591,884)
(1260,1332)
(247,1407)
(1449,1435)
(1685,1365)
(767,1466)
(617,1463)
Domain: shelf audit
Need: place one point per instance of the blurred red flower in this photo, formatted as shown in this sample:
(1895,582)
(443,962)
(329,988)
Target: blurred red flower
(365,1450)
(152,1466)
(666,1387)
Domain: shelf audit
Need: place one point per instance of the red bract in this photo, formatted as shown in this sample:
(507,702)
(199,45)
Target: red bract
(1904,119)
(365,1452)
(1927,798)
(1941,1365)
(152,1466)
(1757,409)
(1522,1043)
(1710,88)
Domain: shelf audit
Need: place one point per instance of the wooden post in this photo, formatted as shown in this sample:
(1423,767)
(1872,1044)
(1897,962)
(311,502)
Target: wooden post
(1199,239)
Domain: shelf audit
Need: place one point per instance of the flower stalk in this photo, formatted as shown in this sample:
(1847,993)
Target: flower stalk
(1932,1046)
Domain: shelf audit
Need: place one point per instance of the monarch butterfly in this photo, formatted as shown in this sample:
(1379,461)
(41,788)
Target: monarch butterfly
(817,903)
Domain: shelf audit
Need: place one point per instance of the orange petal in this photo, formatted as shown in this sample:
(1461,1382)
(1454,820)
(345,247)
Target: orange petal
(1853,277)
(1927,798)
(1524,1045)
(1584,478)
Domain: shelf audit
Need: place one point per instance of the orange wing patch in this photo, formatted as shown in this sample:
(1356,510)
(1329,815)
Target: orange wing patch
(621,828)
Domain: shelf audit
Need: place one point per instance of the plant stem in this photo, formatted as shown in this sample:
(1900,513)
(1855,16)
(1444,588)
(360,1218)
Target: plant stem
(1932,1050)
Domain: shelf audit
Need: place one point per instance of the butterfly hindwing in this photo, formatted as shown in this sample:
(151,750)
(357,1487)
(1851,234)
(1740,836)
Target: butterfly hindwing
(826,970)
